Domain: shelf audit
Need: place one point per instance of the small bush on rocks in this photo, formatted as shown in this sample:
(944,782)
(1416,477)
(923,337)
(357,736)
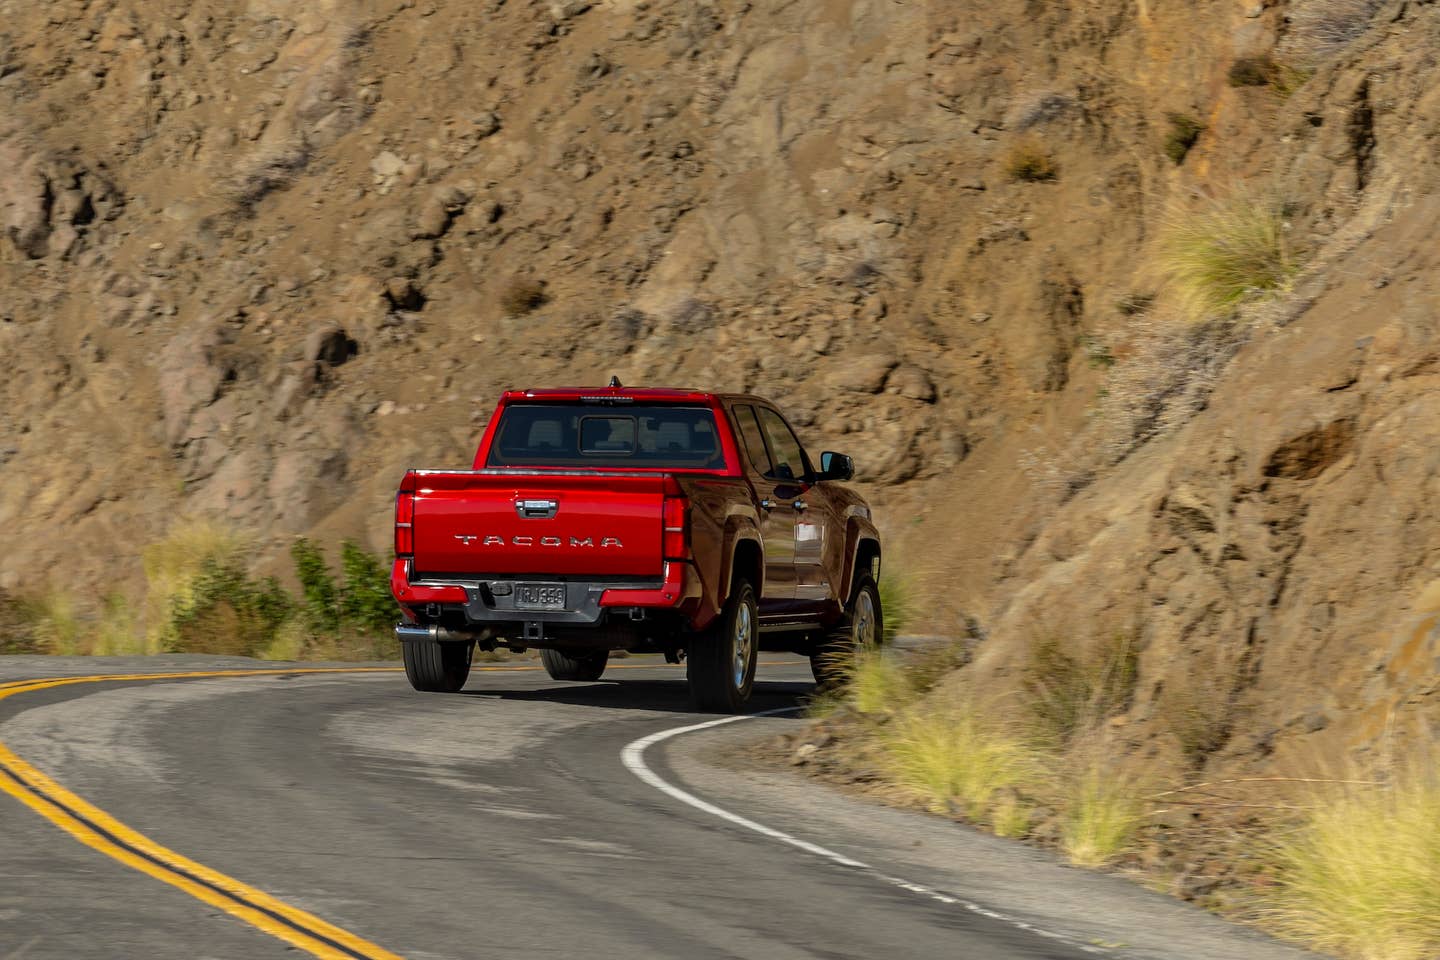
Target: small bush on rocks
(1029,162)
(1258,71)
(1183,134)
(523,295)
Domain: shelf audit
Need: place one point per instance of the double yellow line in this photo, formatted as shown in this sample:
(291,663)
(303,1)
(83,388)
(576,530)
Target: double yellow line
(98,830)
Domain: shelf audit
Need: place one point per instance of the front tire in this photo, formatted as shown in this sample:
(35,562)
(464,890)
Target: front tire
(584,666)
(437,667)
(720,663)
(861,628)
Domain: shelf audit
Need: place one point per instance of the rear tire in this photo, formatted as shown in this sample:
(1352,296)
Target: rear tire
(564,666)
(720,663)
(861,628)
(437,667)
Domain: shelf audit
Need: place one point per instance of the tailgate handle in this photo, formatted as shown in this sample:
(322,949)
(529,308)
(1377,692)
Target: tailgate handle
(536,509)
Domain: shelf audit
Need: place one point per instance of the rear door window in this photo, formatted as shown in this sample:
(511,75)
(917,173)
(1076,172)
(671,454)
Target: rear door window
(753,440)
(586,435)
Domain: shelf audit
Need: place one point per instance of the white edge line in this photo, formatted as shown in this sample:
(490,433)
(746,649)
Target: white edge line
(633,757)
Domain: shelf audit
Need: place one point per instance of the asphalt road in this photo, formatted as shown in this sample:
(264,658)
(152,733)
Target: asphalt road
(502,822)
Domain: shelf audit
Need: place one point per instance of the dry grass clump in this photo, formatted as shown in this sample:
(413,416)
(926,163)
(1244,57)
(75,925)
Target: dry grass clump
(1103,809)
(1029,162)
(956,755)
(1257,71)
(1072,686)
(1360,877)
(523,295)
(1215,258)
(878,683)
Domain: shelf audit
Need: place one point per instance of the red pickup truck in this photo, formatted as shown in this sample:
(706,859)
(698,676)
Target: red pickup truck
(649,520)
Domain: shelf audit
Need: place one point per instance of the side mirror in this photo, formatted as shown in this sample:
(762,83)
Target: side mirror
(835,466)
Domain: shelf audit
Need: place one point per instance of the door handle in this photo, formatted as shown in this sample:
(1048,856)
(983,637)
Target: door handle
(767,504)
(800,505)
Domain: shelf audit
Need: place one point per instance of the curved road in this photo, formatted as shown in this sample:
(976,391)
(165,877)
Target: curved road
(503,823)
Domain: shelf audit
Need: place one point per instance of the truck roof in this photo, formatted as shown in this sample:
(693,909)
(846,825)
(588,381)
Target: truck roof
(643,394)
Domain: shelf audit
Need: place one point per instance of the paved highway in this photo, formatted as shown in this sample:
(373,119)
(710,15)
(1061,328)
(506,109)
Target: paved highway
(342,815)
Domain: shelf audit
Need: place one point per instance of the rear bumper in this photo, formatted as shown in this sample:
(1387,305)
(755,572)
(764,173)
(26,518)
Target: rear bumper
(487,601)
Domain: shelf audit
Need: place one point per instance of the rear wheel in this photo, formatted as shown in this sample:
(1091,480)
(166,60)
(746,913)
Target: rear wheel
(862,628)
(437,667)
(720,663)
(574,666)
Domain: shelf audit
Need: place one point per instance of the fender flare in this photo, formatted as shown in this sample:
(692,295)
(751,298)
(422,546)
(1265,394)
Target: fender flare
(740,528)
(860,536)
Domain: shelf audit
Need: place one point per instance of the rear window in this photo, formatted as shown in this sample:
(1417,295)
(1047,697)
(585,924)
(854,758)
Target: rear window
(588,435)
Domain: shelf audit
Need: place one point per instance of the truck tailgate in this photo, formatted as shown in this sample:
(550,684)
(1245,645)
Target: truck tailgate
(573,523)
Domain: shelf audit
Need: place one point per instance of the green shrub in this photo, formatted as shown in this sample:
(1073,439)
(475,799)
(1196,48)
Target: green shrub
(318,592)
(1361,876)
(351,618)
(228,612)
(1184,131)
(1213,259)
(364,601)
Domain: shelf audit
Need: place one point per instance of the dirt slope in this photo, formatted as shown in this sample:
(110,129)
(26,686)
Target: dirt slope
(259,257)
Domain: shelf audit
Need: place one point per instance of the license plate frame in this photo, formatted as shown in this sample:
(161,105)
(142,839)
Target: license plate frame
(540,595)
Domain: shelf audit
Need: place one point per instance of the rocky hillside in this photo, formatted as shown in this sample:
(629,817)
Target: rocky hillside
(259,257)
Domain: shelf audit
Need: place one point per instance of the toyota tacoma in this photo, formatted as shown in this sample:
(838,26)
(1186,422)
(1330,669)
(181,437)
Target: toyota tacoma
(668,521)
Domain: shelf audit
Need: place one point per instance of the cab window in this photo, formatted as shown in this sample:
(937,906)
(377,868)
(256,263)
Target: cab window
(787,455)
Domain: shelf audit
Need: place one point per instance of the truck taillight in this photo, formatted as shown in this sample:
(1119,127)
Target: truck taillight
(676,540)
(405,518)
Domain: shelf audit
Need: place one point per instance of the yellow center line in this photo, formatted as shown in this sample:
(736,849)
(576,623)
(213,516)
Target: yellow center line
(98,830)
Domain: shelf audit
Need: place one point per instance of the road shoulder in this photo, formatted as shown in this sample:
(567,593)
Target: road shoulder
(1021,882)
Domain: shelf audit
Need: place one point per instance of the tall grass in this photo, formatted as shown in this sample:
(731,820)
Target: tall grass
(955,755)
(897,606)
(1361,876)
(1215,258)
(56,627)
(1103,809)
(878,683)
(1072,685)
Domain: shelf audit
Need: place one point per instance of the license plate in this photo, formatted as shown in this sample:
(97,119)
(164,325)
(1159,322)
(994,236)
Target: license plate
(540,596)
